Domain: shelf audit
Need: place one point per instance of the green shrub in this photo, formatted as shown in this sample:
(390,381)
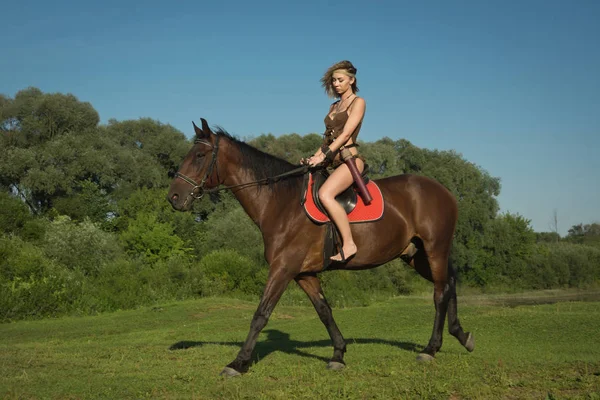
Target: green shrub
(361,288)
(118,286)
(564,265)
(80,246)
(31,284)
(35,229)
(126,284)
(169,279)
(88,201)
(226,272)
(14,213)
(583,262)
(229,227)
(152,240)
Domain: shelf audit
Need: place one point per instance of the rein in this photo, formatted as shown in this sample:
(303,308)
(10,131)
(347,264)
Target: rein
(200,186)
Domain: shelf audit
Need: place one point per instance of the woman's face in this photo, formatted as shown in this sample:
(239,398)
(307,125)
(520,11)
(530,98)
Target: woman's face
(341,82)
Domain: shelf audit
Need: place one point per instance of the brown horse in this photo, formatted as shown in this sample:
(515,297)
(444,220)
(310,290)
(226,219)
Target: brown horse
(418,211)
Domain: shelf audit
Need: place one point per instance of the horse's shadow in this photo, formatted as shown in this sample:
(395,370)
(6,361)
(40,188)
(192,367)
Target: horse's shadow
(280,341)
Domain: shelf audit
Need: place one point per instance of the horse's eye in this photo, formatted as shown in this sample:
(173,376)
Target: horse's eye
(199,156)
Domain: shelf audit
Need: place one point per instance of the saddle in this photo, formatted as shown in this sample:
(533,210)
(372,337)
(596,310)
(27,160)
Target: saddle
(347,199)
(350,200)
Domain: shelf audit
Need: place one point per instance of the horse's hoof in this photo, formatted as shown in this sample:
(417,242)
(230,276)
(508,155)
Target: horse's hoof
(336,366)
(424,357)
(229,372)
(470,343)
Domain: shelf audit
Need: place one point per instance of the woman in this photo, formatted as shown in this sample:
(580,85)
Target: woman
(342,123)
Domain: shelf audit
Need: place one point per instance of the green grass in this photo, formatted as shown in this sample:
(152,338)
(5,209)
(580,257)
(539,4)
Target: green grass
(529,351)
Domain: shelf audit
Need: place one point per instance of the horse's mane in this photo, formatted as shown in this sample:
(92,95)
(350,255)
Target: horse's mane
(263,165)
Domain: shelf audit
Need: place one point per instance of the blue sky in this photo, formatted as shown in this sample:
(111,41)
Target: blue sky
(514,86)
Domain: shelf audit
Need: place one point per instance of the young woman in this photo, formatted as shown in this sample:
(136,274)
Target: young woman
(342,124)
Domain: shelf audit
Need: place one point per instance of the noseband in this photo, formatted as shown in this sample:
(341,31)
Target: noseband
(198,188)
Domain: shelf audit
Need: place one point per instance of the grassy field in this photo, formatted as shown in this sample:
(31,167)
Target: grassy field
(523,350)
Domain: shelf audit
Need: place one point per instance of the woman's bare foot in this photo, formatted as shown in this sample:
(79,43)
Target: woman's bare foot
(348,251)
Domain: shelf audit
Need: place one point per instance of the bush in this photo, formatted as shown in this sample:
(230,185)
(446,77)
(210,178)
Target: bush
(229,227)
(152,240)
(14,213)
(361,288)
(226,272)
(118,286)
(564,265)
(88,202)
(31,284)
(80,246)
(501,256)
(125,284)
(35,230)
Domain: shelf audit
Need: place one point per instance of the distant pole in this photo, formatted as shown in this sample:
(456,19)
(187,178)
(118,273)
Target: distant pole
(554,224)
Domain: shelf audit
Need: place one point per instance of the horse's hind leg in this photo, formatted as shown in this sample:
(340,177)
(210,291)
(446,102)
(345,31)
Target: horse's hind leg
(466,339)
(435,268)
(312,286)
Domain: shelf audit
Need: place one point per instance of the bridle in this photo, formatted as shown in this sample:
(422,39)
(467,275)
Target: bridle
(200,186)
(198,189)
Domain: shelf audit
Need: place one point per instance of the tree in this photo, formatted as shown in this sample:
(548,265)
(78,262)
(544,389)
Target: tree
(152,240)
(291,147)
(90,202)
(588,234)
(383,158)
(38,132)
(34,117)
(163,144)
(509,244)
(14,214)
(547,237)
(53,149)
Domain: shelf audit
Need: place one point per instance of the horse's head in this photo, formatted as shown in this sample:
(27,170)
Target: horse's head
(198,171)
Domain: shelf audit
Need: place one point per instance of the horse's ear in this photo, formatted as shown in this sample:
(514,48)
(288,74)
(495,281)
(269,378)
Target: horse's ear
(201,133)
(198,131)
(204,132)
(205,126)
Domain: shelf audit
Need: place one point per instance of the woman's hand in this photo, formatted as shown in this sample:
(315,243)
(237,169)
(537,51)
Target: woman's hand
(317,159)
(314,160)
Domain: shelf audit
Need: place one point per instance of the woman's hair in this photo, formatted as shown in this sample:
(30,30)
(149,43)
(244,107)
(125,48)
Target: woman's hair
(345,67)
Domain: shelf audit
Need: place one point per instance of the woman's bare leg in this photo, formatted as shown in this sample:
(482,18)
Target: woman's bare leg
(337,182)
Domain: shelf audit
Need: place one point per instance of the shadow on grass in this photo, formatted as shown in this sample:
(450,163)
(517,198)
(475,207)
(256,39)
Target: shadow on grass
(280,341)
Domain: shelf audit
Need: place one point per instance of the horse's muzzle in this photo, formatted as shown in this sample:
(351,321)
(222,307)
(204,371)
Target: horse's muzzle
(177,202)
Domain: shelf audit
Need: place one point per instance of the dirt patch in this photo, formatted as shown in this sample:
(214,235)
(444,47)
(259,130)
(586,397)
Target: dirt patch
(281,316)
(533,298)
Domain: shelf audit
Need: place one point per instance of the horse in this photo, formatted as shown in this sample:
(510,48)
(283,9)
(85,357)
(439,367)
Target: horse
(417,225)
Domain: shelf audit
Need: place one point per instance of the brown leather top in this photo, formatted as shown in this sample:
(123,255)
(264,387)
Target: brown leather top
(335,126)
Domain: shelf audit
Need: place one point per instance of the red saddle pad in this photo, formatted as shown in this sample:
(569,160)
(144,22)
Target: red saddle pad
(361,213)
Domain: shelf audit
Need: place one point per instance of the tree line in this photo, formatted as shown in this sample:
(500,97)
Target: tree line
(85,227)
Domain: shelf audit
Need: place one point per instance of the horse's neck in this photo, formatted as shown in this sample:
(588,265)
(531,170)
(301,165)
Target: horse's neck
(258,200)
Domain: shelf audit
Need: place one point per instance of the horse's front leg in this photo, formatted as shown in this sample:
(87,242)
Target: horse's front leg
(276,285)
(312,286)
